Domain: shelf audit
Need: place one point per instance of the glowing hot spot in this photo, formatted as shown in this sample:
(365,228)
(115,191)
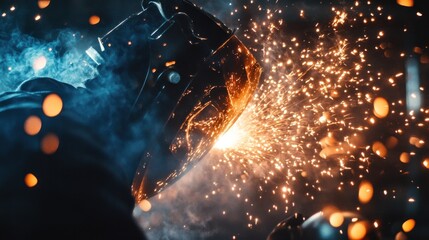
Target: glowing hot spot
(39,63)
(145,205)
(230,139)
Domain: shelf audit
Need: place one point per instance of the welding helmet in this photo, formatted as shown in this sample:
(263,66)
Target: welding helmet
(189,77)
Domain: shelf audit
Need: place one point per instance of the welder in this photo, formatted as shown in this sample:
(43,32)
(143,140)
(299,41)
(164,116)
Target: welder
(75,160)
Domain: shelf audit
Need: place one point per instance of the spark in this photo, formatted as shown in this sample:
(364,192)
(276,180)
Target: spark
(311,116)
(302,121)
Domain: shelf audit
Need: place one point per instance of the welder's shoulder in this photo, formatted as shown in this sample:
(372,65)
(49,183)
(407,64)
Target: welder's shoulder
(79,189)
(44,84)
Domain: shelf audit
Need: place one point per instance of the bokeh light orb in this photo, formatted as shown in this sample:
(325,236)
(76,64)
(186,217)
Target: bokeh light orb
(94,20)
(43,3)
(405,3)
(366,192)
(52,105)
(381,107)
(408,225)
(30,180)
(32,125)
(357,230)
(50,144)
(145,205)
(379,149)
(336,219)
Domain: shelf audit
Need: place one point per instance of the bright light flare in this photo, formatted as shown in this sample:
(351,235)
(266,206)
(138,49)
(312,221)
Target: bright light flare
(39,63)
(231,138)
(379,149)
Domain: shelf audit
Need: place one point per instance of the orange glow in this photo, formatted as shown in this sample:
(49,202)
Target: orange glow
(94,20)
(405,3)
(379,149)
(325,117)
(30,180)
(424,59)
(145,205)
(50,144)
(230,139)
(32,125)
(52,105)
(336,219)
(168,64)
(381,107)
(416,142)
(408,225)
(401,236)
(43,3)
(365,192)
(404,157)
(392,142)
(426,163)
(357,230)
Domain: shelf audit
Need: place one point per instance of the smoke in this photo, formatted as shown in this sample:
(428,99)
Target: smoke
(221,9)
(193,207)
(24,57)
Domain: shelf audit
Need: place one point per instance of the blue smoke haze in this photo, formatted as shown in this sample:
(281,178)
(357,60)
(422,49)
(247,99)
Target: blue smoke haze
(20,54)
